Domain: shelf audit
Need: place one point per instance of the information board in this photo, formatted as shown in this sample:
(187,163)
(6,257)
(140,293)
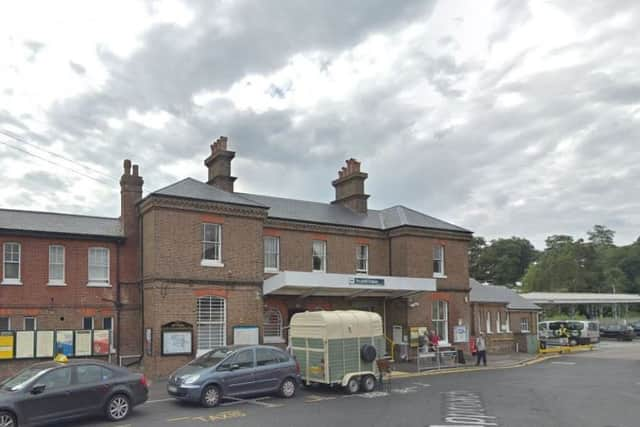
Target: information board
(25,344)
(460,334)
(83,343)
(246,335)
(44,344)
(6,345)
(176,342)
(100,342)
(64,343)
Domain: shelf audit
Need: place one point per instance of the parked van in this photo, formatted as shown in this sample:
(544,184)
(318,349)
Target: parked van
(568,332)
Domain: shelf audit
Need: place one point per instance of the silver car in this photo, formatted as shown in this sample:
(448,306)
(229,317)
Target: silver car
(235,371)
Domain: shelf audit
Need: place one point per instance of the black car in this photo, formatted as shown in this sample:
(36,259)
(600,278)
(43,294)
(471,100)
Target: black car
(235,371)
(52,391)
(636,328)
(620,332)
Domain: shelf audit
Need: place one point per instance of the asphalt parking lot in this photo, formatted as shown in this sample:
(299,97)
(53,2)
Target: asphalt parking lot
(595,388)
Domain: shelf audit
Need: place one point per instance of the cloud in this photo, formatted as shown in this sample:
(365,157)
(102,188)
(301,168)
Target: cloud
(77,68)
(33,48)
(516,120)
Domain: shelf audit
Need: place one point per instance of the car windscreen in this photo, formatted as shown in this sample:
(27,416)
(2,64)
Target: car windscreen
(211,358)
(17,381)
(574,326)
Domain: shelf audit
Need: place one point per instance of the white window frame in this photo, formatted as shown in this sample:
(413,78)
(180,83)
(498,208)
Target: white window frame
(323,256)
(201,349)
(488,322)
(498,324)
(508,323)
(8,323)
(444,340)
(93,322)
(524,320)
(99,282)
(267,335)
(439,257)
(57,282)
(11,280)
(360,257)
(272,269)
(211,262)
(35,323)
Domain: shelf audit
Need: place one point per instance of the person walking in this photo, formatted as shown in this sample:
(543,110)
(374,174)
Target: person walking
(481,350)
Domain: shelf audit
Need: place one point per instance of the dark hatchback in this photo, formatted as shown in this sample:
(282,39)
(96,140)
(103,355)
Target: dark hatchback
(620,332)
(52,392)
(235,371)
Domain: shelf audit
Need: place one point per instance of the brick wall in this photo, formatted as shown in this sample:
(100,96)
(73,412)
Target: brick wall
(173,246)
(168,302)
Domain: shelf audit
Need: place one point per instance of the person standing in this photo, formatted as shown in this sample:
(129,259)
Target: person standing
(481,350)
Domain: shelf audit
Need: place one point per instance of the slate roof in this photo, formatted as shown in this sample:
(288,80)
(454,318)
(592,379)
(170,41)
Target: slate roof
(49,222)
(190,188)
(499,294)
(307,211)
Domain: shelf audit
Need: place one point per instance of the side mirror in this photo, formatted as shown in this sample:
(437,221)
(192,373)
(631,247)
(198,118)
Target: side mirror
(37,389)
(235,366)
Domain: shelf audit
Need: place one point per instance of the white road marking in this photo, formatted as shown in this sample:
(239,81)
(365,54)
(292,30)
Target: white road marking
(160,400)
(422,385)
(254,401)
(563,363)
(405,390)
(373,394)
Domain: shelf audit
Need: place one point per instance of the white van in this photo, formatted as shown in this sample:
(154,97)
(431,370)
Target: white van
(568,332)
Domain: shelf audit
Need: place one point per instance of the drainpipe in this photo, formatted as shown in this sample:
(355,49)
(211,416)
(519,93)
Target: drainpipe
(118,303)
(141,282)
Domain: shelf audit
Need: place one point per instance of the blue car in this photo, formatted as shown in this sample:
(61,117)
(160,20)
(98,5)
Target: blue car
(235,371)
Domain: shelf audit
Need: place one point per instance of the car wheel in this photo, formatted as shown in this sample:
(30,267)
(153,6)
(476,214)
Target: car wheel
(210,396)
(7,420)
(118,407)
(287,388)
(368,383)
(353,385)
(573,342)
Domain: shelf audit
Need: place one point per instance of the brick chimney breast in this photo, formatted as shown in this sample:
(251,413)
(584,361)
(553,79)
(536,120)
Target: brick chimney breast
(219,165)
(130,194)
(350,187)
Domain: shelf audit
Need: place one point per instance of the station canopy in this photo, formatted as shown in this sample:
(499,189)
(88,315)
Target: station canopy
(567,298)
(306,284)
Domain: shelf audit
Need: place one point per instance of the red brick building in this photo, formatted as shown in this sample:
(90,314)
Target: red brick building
(223,263)
(72,272)
(196,264)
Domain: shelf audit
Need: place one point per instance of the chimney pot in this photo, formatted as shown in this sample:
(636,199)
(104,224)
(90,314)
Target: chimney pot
(350,187)
(219,165)
(127,167)
(135,170)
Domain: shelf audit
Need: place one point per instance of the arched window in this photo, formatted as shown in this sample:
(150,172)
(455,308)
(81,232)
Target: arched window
(273,326)
(212,323)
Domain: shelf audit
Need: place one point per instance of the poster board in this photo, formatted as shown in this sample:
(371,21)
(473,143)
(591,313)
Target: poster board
(25,344)
(246,335)
(101,342)
(414,335)
(83,343)
(460,334)
(7,341)
(175,342)
(64,343)
(148,341)
(44,344)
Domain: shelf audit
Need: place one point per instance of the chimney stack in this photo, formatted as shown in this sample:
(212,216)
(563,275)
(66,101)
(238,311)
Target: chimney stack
(219,164)
(130,194)
(350,187)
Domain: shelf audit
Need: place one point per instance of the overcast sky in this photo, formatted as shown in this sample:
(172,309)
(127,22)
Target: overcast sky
(507,118)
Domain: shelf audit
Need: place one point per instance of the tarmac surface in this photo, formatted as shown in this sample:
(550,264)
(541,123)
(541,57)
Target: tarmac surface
(596,388)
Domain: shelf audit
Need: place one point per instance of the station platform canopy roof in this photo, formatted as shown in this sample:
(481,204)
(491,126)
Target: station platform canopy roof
(580,298)
(305,284)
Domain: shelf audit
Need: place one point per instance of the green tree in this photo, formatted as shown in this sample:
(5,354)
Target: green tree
(476,247)
(504,261)
(601,235)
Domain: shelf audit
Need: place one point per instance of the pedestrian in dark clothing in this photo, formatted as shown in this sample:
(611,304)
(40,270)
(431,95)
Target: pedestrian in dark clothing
(481,350)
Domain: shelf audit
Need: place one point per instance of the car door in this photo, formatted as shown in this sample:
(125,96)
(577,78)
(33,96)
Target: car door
(237,373)
(54,401)
(90,387)
(267,370)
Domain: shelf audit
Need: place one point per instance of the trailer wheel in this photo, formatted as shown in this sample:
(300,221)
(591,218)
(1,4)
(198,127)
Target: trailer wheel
(368,383)
(353,385)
